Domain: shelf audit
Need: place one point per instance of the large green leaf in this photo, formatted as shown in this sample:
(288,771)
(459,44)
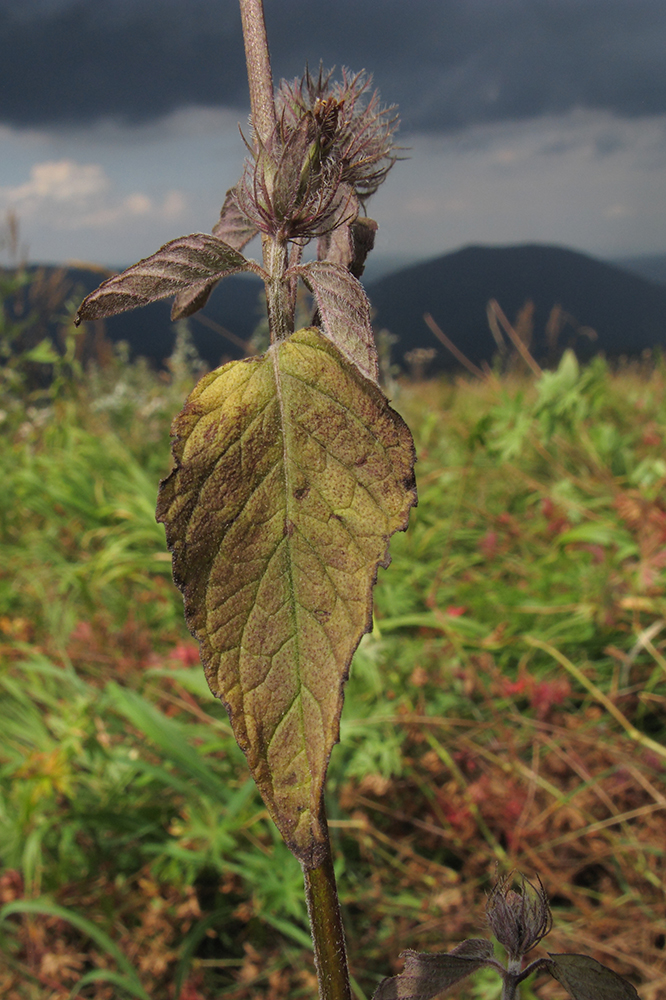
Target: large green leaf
(291,473)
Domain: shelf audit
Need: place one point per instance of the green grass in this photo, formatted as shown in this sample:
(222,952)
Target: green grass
(508,706)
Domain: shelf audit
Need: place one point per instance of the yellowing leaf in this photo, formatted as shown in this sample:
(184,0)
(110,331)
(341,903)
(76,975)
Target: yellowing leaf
(291,473)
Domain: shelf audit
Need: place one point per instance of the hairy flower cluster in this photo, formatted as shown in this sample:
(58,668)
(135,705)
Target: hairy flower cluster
(519,917)
(359,130)
(331,149)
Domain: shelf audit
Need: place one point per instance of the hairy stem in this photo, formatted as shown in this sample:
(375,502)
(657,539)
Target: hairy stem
(264,121)
(259,73)
(278,297)
(510,989)
(320,887)
(326,924)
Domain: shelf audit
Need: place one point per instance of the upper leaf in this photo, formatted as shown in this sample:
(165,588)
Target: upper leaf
(191,300)
(349,244)
(344,311)
(427,974)
(233,229)
(291,472)
(190,263)
(586,979)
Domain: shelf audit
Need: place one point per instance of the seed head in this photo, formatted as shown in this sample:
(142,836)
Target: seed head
(518,914)
(359,131)
(332,148)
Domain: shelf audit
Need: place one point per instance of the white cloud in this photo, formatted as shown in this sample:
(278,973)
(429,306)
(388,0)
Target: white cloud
(58,181)
(69,195)
(175,204)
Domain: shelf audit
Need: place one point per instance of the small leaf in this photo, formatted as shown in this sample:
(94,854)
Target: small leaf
(349,244)
(291,473)
(426,974)
(586,979)
(363,232)
(474,948)
(337,244)
(233,227)
(189,263)
(191,300)
(344,311)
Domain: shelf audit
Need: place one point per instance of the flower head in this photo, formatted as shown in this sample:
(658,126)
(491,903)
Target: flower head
(518,914)
(357,131)
(332,148)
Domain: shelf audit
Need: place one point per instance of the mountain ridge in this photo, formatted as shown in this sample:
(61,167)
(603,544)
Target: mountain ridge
(627,311)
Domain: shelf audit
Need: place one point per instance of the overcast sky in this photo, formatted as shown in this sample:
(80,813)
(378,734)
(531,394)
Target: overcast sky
(528,120)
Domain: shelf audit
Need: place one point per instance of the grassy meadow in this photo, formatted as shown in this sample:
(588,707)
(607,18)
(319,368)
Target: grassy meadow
(508,708)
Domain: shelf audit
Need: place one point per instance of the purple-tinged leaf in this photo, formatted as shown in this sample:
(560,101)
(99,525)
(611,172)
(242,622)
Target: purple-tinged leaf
(363,232)
(586,979)
(191,300)
(291,473)
(190,263)
(426,974)
(233,227)
(349,244)
(344,311)
(337,244)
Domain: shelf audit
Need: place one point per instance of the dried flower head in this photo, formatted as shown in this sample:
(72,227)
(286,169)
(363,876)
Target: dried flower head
(359,131)
(331,149)
(287,190)
(518,914)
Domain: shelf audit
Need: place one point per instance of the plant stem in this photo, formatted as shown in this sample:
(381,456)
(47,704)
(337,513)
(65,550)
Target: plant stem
(510,988)
(264,123)
(278,298)
(328,935)
(259,73)
(320,887)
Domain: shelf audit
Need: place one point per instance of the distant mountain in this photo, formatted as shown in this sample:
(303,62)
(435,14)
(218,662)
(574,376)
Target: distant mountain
(381,265)
(651,266)
(627,312)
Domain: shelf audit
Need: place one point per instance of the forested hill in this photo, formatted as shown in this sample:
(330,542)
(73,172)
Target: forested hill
(627,312)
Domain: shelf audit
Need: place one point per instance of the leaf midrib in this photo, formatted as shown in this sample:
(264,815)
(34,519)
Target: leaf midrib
(275,361)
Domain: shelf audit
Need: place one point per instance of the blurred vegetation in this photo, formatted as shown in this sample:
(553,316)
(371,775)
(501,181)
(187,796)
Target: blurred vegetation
(508,706)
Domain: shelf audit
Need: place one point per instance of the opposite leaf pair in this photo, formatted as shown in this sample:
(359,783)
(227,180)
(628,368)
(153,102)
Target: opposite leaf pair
(188,268)
(519,916)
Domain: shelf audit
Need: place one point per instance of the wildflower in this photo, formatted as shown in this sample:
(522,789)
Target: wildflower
(331,149)
(357,132)
(519,917)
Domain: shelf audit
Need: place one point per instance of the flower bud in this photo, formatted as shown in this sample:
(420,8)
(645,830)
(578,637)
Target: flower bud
(518,914)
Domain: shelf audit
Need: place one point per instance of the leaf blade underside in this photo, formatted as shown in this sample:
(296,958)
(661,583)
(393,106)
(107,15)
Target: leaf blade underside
(291,473)
(186,267)
(344,310)
(426,975)
(586,979)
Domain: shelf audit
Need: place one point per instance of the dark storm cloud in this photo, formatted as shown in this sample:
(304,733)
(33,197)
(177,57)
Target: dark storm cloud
(448,63)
